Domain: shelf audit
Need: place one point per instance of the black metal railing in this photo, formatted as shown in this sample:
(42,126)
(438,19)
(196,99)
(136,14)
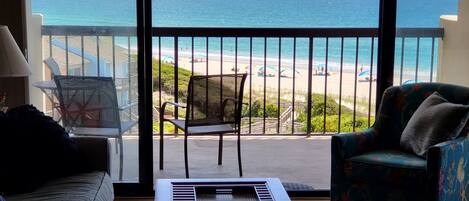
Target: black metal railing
(304,108)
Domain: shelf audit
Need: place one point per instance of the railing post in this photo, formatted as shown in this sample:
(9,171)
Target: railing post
(386,48)
(310,86)
(176,79)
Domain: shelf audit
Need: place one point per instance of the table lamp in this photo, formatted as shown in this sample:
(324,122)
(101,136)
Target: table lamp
(13,66)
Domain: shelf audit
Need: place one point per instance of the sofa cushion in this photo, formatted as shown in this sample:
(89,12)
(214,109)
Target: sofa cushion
(81,187)
(387,166)
(435,120)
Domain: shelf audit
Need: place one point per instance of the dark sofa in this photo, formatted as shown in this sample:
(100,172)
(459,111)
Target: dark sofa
(95,185)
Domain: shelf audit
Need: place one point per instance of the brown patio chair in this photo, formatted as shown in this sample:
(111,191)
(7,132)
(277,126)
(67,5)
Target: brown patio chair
(214,104)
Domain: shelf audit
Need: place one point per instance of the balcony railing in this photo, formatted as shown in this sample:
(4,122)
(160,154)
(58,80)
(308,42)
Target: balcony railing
(330,88)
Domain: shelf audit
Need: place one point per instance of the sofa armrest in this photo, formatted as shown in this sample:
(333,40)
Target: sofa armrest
(96,151)
(448,169)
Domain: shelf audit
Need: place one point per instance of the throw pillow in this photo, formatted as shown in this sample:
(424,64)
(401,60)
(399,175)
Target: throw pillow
(435,120)
(34,149)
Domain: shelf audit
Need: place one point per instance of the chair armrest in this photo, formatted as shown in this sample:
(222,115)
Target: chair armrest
(448,169)
(172,103)
(232,99)
(163,108)
(352,144)
(226,101)
(127,106)
(96,151)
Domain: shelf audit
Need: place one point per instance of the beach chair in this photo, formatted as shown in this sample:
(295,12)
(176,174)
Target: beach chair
(214,104)
(89,107)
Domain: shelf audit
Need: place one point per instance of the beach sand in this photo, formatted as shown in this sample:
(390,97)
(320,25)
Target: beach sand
(286,83)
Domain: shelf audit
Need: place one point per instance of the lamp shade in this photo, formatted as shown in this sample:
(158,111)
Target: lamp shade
(12,61)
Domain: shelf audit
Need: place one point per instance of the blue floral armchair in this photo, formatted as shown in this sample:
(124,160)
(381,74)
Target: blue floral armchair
(369,165)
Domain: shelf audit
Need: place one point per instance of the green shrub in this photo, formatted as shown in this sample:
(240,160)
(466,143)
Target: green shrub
(332,123)
(168,128)
(167,79)
(332,117)
(332,106)
(257,109)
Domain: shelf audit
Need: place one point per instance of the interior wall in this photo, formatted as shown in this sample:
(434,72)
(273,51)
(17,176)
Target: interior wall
(453,60)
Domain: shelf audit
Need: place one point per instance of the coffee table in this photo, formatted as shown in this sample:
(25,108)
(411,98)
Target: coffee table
(236,189)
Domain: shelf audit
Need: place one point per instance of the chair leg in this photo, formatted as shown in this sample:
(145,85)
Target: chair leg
(186,161)
(239,155)
(116,142)
(121,149)
(220,149)
(161,144)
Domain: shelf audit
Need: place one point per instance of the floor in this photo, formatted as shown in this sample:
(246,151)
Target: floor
(294,159)
(151,199)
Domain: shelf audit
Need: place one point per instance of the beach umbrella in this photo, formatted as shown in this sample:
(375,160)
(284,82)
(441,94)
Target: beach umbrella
(198,56)
(167,59)
(269,71)
(321,66)
(288,72)
(364,73)
(411,81)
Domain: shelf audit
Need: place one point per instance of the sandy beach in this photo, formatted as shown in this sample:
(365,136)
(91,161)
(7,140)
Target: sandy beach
(215,66)
(352,84)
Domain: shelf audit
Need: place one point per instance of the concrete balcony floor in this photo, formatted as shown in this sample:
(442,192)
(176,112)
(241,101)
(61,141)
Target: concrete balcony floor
(294,159)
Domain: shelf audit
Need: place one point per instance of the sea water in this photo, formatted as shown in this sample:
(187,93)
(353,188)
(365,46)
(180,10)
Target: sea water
(264,13)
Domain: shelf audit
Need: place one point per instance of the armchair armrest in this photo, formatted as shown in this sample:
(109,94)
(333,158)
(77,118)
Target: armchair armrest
(351,144)
(96,151)
(344,146)
(448,169)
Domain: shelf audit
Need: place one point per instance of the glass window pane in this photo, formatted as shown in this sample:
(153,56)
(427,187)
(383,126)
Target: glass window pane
(417,51)
(96,40)
(275,120)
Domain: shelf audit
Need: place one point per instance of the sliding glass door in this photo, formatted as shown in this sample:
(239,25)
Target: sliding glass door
(421,27)
(94,39)
(311,72)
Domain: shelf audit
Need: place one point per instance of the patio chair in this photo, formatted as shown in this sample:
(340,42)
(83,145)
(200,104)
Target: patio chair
(89,107)
(55,70)
(214,104)
(370,165)
(53,66)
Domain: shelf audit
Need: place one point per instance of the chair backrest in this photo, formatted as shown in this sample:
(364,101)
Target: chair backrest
(399,104)
(215,99)
(88,102)
(53,66)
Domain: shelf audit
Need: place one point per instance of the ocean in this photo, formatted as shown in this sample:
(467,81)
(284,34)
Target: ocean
(262,13)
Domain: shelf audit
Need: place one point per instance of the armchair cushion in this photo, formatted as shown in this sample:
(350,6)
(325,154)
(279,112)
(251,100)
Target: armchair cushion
(387,166)
(434,121)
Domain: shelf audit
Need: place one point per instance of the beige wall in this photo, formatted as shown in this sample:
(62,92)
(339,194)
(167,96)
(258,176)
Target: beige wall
(34,39)
(453,58)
